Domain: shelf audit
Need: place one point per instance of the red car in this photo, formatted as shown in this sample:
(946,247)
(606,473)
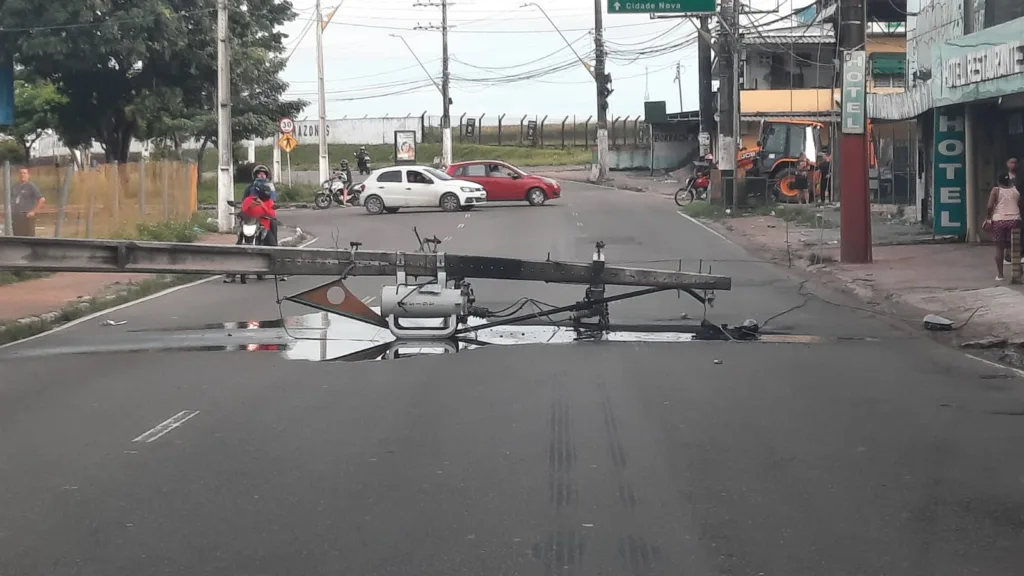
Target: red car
(504,182)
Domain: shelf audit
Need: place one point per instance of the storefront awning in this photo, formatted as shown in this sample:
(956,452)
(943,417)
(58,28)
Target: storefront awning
(888,64)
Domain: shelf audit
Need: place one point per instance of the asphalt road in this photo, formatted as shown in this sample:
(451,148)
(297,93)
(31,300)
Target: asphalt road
(868,451)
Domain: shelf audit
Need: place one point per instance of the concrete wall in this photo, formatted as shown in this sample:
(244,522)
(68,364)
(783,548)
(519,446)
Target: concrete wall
(675,145)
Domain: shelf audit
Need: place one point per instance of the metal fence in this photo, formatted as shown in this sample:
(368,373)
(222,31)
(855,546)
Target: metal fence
(106,201)
(565,131)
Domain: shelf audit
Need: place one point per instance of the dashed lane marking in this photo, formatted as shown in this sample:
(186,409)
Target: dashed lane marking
(166,426)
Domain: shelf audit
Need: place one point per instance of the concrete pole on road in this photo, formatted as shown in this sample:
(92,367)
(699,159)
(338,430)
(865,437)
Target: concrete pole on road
(325,163)
(225,168)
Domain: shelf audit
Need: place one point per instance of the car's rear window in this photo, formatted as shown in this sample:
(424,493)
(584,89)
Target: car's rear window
(390,176)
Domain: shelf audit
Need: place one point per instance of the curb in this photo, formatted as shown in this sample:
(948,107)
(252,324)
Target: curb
(29,326)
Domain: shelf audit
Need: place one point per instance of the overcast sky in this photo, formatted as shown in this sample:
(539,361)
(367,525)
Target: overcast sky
(369,72)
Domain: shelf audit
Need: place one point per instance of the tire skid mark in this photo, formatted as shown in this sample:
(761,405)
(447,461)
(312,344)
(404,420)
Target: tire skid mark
(561,455)
(639,557)
(560,552)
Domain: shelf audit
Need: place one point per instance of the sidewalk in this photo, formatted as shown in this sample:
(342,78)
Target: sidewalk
(955,281)
(34,298)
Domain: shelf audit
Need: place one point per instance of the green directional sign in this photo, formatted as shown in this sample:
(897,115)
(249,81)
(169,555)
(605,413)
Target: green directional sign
(661,6)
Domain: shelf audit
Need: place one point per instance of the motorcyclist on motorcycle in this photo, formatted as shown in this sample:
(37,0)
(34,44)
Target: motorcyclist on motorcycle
(261,205)
(347,171)
(362,158)
(258,202)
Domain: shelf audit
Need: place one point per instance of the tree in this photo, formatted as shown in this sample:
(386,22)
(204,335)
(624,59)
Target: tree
(36,105)
(135,67)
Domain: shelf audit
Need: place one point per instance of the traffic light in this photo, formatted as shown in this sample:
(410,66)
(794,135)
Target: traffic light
(606,85)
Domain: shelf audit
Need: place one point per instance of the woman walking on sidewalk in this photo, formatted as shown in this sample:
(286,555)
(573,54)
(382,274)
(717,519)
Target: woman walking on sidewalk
(1003,217)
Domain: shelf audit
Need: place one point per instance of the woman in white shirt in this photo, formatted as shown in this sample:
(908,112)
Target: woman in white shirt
(1003,217)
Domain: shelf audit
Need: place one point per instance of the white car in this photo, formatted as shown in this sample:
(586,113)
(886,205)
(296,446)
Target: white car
(391,189)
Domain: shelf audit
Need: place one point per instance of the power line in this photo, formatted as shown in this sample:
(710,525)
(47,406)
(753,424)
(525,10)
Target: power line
(464,31)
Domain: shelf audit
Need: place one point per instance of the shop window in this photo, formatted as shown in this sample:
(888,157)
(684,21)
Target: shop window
(890,81)
(1002,11)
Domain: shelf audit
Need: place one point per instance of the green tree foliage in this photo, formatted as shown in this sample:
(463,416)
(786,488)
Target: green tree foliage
(148,68)
(36,105)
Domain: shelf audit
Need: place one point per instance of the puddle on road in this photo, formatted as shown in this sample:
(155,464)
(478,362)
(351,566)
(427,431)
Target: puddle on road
(320,337)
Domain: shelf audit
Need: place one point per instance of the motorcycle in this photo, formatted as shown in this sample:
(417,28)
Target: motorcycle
(363,164)
(697,186)
(333,190)
(251,232)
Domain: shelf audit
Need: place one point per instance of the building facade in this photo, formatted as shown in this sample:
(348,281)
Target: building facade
(965,78)
(790,73)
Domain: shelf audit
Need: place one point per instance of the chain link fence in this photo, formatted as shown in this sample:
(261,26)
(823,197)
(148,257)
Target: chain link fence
(566,131)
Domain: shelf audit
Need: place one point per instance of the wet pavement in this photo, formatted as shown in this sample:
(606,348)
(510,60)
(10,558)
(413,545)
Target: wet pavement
(843,444)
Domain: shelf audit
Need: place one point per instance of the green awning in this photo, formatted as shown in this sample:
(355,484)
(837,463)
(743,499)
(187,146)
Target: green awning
(888,64)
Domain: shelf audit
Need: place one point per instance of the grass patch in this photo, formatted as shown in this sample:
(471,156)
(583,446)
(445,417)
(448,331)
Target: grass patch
(182,231)
(12,331)
(306,157)
(15,277)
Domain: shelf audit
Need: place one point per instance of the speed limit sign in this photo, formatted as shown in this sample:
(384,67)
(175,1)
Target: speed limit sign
(286,125)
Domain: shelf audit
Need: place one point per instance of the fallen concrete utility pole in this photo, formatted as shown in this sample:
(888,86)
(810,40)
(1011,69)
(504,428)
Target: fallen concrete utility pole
(63,255)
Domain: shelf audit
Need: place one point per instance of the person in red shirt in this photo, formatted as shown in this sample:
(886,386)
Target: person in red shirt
(261,206)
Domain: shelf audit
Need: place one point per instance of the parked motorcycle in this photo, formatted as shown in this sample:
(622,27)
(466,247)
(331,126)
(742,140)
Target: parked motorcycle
(333,190)
(697,186)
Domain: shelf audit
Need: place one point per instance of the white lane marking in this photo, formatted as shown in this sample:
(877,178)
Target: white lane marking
(579,223)
(575,214)
(468,215)
(446,238)
(702,225)
(463,225)
(166,426)
(1016,371)
(368,299)
(102,313)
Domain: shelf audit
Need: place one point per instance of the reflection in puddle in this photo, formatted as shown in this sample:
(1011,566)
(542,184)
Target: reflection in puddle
(321,336)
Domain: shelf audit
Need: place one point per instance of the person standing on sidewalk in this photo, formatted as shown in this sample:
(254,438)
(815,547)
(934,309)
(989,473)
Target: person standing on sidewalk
(1003,217)
(27,201)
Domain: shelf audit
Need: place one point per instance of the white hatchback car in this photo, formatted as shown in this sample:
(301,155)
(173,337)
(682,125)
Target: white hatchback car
(391,189)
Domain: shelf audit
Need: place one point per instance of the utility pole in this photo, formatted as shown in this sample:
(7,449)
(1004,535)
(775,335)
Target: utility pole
(855,207)
(325,163)
(603,91)
(679,81)
(225,173)
(707,113)
(446,117)
(727,78)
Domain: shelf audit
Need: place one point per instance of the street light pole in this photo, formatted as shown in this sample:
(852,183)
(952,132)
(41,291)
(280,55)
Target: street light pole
(325,168)
(446,118)
(567,43)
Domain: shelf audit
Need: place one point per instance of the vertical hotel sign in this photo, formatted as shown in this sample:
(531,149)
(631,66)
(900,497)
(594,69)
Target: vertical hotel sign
(950,172)
(854,69)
